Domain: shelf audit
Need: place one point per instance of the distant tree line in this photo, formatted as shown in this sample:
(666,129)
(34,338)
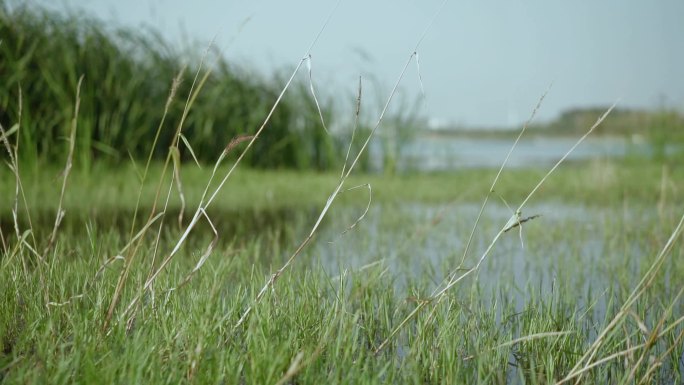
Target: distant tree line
(620,121)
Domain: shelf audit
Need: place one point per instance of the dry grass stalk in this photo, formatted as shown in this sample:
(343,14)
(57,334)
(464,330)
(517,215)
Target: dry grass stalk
(200,213)
(202,205)
(130,255)
(13,152)
(204,256)
(4,137)
(175,157)
(237,140)
(581,371)
(19,191)
(586,361)
(472,232)
(439,294)
(274,277)
(531,337)
(313,94)
(498,175)
(195,88)
(658,361)
(357,113)
(363,214)
(67,168)
(106,263)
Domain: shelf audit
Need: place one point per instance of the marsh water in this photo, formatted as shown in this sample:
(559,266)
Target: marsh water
(588,250)
(448,152)
(414,241)
(568,254)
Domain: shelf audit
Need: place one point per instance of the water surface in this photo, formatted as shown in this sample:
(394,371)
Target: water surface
(450,152)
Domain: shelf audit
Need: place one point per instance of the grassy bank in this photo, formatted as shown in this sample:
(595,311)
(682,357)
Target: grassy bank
(598,183)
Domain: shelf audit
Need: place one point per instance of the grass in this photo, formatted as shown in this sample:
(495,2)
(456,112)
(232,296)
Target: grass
(127,74)
(324,321)
(395,287)
(324,328)
(600,183)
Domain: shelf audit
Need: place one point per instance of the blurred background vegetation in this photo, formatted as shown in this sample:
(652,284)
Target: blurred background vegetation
(658,128)
(128,75)
(127,80)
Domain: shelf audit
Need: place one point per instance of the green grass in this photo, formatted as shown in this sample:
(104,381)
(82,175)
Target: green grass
(335,324)
(127,82)
(106,189)
(590,298)
(326,328)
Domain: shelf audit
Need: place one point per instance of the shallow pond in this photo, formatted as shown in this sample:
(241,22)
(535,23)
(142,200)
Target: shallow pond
(588,251)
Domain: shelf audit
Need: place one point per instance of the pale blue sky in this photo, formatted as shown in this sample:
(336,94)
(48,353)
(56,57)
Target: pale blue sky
(482,63)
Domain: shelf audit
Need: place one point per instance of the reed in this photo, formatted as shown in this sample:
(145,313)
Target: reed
(125,72)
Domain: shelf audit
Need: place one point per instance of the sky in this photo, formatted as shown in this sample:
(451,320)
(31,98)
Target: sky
(482,63)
